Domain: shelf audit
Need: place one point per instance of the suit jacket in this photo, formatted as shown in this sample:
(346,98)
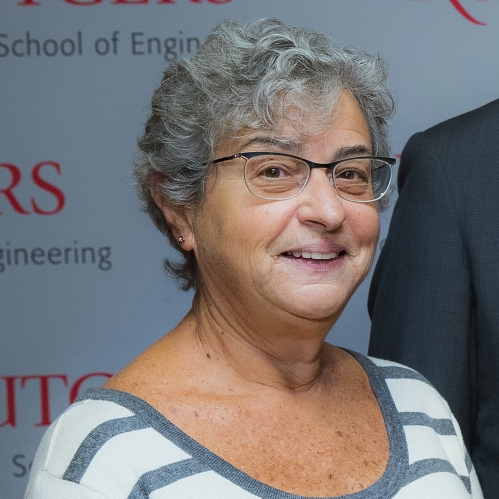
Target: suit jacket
(434,297)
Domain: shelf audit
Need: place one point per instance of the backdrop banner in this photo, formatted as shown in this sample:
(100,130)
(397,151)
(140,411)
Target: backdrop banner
(81,280)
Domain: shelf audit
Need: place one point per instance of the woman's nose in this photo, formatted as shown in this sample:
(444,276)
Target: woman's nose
(320,202)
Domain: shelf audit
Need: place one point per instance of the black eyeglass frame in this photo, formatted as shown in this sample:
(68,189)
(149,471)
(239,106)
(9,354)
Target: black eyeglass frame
(311,164)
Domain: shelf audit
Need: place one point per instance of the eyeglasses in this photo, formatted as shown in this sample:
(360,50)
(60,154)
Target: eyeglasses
(279,176)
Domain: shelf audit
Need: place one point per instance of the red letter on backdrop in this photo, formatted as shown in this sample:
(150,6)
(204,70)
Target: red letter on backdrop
(10,395)
(44,394)
(16,178)
(43,184)
(458,6)
(77,2)
(75,389)
(129,2)
(28,2)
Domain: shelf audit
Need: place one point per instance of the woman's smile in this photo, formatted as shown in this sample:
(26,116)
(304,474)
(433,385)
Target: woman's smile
(315,260)
(314,255)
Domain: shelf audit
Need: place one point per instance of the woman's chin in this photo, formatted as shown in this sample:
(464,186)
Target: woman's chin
(315,309)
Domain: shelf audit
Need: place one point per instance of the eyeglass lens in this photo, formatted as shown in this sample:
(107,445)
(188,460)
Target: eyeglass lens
(281,177)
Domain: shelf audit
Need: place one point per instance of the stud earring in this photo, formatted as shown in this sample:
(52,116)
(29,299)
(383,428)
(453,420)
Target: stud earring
(181,240)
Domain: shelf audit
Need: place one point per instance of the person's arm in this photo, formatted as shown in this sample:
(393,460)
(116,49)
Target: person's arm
(420,299)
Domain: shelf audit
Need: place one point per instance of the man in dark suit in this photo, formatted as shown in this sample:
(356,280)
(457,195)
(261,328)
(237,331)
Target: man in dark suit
(434,297)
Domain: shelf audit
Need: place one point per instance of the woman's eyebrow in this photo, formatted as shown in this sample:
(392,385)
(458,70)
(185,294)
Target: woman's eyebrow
(294,147)
(346,151)
(280,142)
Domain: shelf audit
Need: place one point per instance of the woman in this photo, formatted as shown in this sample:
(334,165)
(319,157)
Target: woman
(244,398)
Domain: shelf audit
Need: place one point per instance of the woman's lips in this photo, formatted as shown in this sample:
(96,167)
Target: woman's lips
(313,255)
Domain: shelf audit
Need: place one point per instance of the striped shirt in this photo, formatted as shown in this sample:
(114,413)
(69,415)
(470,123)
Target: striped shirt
(113,445)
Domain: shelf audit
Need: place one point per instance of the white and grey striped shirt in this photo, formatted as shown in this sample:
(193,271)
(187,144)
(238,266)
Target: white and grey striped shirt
(113,445)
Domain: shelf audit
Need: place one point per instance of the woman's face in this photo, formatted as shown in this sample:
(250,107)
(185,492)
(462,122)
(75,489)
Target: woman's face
(254,253)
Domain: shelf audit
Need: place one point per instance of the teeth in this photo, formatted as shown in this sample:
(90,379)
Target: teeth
(313,255)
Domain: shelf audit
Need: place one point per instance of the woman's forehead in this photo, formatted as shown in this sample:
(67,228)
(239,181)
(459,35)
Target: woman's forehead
(295,126)
(289,137)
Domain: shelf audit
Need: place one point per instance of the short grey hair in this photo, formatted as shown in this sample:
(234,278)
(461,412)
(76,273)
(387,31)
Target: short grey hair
(245,76)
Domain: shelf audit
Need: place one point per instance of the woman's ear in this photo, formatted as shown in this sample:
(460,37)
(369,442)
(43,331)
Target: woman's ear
(178,217)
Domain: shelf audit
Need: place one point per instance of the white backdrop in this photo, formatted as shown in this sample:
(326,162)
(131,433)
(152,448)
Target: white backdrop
(82,290)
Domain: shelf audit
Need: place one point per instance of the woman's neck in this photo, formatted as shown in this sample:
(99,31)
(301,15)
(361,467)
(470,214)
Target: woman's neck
(266,347)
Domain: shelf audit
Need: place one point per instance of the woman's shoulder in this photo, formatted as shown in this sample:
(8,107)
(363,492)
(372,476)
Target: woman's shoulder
(103,442)
(430,430)
(387,368)
(91,413)
(410,390)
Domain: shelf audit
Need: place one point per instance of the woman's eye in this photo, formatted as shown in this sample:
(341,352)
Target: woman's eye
(273,172)
(272,169)
(352,175)
(349,174)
